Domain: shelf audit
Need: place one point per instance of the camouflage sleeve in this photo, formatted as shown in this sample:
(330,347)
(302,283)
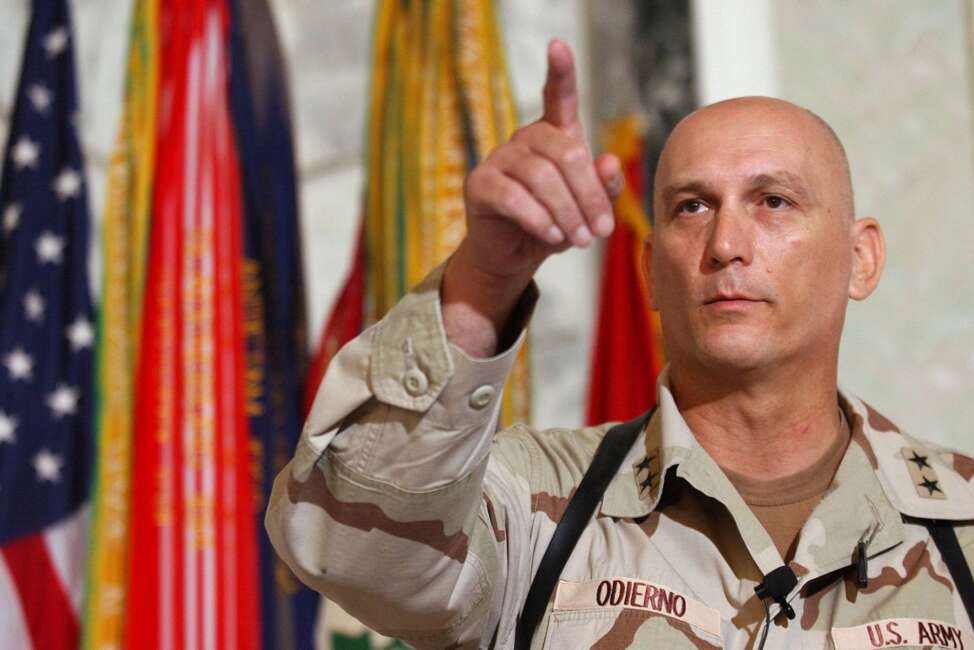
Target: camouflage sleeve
(383,507)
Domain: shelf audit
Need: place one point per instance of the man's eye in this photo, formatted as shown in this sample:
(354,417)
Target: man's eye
(775,202)
(691,207)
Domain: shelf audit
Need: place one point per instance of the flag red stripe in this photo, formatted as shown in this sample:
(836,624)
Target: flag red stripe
(154,613)
(49,616)
(235,504)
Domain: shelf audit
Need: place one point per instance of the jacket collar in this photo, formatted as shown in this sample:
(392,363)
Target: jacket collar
(874,484)
(664,443)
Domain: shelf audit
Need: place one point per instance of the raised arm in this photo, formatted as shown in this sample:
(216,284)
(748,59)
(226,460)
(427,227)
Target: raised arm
(394,505)
(537,194)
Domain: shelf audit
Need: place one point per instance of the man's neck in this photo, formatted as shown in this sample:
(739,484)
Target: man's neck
(765,426)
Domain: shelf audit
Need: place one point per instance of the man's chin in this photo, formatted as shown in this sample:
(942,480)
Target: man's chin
(735,353)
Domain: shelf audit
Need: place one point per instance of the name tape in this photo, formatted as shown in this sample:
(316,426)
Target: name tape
(897,632)
(636,594)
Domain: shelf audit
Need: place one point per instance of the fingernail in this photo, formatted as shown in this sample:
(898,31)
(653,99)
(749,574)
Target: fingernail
(604,225)
(616,184)
(555,235)
(583,236)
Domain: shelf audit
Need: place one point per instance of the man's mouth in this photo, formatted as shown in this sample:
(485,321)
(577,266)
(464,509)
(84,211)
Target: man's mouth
(732,301)
(731,297)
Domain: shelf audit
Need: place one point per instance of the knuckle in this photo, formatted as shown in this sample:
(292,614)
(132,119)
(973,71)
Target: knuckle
(494,156)
(529,135)
(490,158)
(521,133)
(574,154)
(506,155)
(508,201)
(539,173)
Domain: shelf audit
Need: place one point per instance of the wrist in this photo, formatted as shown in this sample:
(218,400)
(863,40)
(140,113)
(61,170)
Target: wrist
(477,304)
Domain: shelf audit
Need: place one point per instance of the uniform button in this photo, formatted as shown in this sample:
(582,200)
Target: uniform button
(415,382)
(481,397)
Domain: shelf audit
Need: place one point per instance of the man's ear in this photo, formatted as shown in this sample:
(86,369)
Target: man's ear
(646,262)
(868,257)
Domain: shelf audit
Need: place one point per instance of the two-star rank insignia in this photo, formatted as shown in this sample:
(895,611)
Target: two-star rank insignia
(923,474)
(647,474)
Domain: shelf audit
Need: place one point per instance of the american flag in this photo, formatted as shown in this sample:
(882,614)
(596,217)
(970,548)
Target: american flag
(47,338)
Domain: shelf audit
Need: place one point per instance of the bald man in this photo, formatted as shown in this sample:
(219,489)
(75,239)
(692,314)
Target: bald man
(759,505)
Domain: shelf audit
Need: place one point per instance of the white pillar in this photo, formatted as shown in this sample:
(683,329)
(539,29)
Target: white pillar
(733,48)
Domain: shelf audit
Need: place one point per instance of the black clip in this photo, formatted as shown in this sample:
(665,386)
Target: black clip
(862,567)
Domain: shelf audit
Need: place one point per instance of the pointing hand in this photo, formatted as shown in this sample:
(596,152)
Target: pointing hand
(537,194)
(541,192)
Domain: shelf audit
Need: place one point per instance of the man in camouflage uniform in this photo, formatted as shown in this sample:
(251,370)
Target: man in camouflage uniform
(403,505)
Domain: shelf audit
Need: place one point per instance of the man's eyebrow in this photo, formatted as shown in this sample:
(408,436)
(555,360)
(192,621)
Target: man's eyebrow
(780,178)
(691,187)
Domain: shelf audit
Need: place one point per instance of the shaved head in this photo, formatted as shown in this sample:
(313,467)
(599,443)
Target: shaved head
(774,114)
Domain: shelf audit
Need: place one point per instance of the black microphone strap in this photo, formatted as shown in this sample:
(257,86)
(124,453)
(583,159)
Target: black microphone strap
(608,457)
(945,538)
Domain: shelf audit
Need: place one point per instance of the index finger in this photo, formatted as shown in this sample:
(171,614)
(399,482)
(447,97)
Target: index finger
(560,89)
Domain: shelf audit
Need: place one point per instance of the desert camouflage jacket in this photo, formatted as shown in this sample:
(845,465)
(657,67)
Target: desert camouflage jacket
(403,504)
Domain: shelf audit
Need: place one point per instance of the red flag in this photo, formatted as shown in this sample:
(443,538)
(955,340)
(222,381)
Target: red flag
(192,579)
(628,351)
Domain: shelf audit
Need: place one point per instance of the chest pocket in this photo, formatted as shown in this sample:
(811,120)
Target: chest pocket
(615,628)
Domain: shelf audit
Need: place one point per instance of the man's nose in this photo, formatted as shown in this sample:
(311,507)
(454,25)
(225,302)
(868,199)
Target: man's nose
(731,236)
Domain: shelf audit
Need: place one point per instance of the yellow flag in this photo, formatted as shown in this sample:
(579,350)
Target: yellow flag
(126,221)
